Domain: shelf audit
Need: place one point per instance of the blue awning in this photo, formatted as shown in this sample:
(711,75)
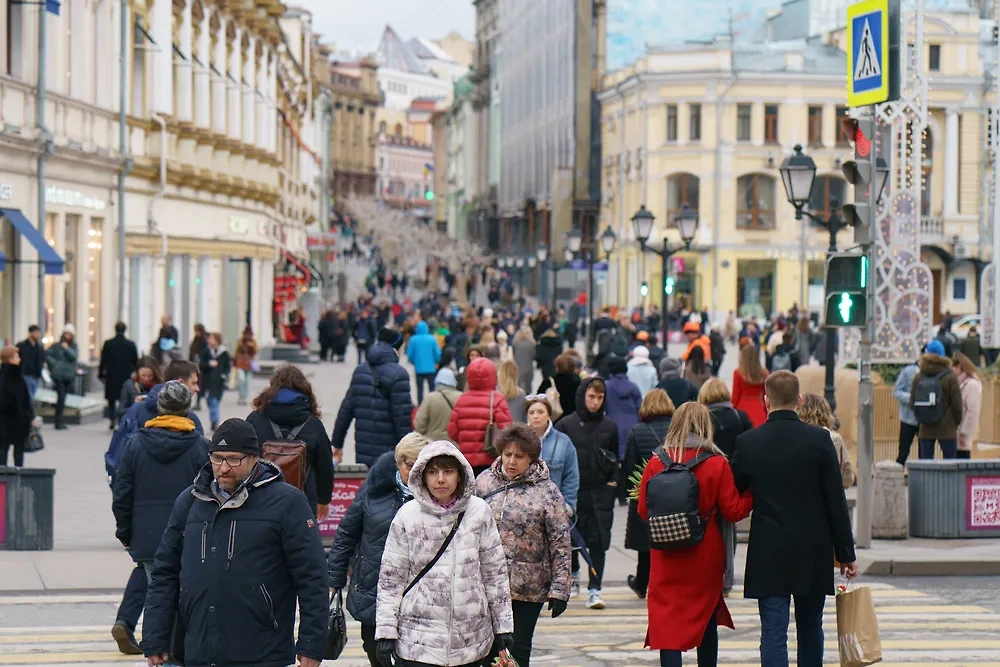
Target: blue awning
(3,261)
(48,257)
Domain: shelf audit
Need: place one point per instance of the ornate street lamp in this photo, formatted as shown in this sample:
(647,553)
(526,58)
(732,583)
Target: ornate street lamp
(798,173)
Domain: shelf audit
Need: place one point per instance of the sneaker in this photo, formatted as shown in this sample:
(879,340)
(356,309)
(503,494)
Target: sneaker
(574,588)
(635,589)
(123,634)
(594,600)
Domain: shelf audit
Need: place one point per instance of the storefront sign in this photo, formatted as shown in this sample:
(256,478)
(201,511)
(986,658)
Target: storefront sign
(239,225)
(6,191)
(54,195)
(344,491)
(983,506)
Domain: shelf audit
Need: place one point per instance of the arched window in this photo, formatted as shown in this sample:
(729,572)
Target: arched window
(825,189)
(681,189)
(755,202)
(383,127)
(398,131)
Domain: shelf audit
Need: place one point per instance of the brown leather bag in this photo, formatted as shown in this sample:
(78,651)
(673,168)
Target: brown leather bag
(489,439)
(290,454)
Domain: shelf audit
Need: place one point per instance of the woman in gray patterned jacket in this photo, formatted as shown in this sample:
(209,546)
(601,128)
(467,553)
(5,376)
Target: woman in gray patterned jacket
(443,590)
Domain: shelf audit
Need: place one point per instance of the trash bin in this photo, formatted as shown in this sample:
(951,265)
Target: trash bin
(347,479)
(27,509)
(954,498)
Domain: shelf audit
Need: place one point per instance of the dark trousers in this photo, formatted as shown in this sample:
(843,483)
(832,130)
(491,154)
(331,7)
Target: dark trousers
(409,663)
(112,407)
(642,571)
(62,388)
(949,448)
(708,649)
(525,618)
(134,598)
(907,432)
(325,350)
(362,354)
(774,613)
(421,379)
(18,453)
(598,555)
(368,644)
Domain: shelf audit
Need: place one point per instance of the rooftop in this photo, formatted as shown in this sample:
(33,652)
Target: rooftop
(393,53)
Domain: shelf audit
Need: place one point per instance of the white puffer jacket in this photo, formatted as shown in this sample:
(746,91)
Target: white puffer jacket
(451,616)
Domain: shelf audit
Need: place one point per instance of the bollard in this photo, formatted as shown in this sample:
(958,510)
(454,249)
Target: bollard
(890,517)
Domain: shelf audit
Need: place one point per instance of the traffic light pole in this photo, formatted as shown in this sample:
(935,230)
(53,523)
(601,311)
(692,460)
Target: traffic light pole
(664,297)
(830,359)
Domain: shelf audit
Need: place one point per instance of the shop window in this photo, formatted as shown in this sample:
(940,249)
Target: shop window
(843,136)
(681,189)
(771,124)
(825,190)
(744,125)
(68,288)
(671,122)
(95,242)
(755,202)
(815,126)
(959,287)
(755,287)
(51,282)
(934,58)
(694,115)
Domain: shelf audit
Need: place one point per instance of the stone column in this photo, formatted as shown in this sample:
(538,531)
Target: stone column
(951,140)
(185,102)
(161,30)
(250,77)
(233,83)
(261,99)
(272,104)
(203,74)
(219,80)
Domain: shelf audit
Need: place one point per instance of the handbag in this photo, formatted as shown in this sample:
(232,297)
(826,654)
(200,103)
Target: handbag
(437,556)
(336,638)
(490,437)
(34,443)
(552,396)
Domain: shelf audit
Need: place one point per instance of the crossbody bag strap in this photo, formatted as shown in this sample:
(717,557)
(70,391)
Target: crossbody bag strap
(437,556)
(508,487)
(491,406)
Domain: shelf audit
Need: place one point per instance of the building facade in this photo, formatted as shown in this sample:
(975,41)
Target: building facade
(405,173)
(461,159)
(484,172)
(708,126)
(356,99)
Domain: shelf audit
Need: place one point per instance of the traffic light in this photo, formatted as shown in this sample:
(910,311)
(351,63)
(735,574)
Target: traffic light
(668,285)
(428,194)
(643,289)
(858,173)
(847,276)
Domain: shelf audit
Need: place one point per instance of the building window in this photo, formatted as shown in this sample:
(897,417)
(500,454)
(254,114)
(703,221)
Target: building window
(694,115)
(825,190)
(138,107)
(95,242)
(671,122)
(14,16)
(771,124)
(398,131)
(959,286)
(755,202)
(934,58)
(844,137)
(815,126)
(744,113)
(681,189)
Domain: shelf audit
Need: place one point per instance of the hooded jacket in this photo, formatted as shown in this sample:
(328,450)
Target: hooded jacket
(534,530)
(567,385)
(434,413)
(158,462)
(471,416)
(361,538)
(641,372)
(453,613)
(381,414)
(288,410)
(947,428)
(622,405)
(235,568)
(62,362)
(679,389)
(214,378)
(423,350)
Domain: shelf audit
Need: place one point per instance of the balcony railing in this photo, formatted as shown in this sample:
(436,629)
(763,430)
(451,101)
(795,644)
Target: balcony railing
(931,229)
(17,105)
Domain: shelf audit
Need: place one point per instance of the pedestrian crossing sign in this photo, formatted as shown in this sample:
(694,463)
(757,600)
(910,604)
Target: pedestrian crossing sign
(867,53)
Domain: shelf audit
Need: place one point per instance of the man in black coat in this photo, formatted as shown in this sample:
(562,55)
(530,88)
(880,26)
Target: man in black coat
(32,358)
(800,520)
(118,361)
(158,462)
(240,549)
(595,437)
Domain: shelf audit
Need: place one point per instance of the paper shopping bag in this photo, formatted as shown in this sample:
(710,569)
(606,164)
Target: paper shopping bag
(857,628)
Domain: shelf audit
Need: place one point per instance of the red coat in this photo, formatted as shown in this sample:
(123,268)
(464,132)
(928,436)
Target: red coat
(685,585)
(471,415)
(749,398)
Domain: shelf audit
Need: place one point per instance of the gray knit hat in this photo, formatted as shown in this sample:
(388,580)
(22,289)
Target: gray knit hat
(174,399)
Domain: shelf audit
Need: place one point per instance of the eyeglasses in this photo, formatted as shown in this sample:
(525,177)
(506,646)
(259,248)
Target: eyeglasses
(535,397)
(408,464)
(233,461)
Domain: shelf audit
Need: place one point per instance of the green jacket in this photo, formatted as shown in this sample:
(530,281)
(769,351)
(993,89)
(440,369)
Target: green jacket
(62,362)
(972,348)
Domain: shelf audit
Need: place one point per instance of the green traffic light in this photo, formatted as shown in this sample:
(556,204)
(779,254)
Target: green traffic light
(668,286)
(429,195)
(845,307)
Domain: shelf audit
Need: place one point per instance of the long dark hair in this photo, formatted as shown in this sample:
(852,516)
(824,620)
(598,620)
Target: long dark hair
(696,360)
(153,365)
(287,377)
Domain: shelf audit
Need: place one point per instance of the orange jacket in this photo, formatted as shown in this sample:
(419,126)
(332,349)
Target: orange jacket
(706,346)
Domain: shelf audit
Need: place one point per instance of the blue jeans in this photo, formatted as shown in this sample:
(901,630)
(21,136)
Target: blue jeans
(213,409)
(774,612)
(949,448)
(134,598)
(243,383)
(32,385)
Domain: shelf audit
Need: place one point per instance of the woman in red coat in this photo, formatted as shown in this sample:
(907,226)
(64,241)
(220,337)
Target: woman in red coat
(748,385)
(685,599)
(471,415)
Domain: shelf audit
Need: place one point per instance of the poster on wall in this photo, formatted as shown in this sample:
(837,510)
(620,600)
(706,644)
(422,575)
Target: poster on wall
(983,503)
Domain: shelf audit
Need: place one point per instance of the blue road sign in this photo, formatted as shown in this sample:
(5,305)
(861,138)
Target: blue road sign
(868,53)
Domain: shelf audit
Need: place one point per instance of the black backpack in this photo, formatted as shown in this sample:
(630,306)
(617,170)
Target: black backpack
(672,504)
(928,398)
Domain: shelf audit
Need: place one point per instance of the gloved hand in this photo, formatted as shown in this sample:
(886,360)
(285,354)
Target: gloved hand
(570,512)
(385,652)
(557,607)
(502,642)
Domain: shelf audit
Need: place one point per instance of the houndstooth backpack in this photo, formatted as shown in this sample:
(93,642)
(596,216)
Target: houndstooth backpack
(672,504)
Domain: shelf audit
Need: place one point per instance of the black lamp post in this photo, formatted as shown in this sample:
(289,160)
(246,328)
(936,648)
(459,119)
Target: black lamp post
(542,254)
(589,253)
(687,223)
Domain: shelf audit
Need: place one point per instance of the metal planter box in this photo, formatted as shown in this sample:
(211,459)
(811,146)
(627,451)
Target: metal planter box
(27,509)
(955,498)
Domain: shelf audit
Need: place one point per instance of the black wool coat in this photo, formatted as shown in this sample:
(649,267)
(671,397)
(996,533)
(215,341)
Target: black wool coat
(16,408)
(118,361)
(800,517)
(643,440)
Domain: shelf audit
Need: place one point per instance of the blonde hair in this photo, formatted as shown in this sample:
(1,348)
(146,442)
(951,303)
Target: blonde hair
(507,380)
(524,333)
(691,419)
(656,403)
(714,391)
(750,368)
(814,410)
(410,446)
(487,338)
(7,353)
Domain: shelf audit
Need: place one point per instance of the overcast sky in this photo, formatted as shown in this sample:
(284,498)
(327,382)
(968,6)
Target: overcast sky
(358,25)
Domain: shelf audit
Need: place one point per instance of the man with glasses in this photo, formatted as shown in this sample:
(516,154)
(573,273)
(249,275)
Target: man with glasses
(240,548)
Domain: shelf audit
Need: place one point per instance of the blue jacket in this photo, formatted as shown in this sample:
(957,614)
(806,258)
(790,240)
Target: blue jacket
(381,415)
(156,465)
(366,330)
(423,350)
(622,406)
(234,570)
(361,538)
(134,419)
(901,392)
(559,454)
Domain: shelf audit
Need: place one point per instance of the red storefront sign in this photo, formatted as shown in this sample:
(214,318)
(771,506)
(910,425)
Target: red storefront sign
(344,491)
(983,503)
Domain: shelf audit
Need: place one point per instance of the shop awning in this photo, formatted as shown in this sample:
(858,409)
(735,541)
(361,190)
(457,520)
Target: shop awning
(299,265)
(3,261)
(48,257)
(317,274)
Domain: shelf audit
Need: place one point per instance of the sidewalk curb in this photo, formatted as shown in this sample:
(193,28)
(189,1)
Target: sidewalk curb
(930,568)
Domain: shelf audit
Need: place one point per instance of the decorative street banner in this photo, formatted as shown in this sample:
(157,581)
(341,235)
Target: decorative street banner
(983,503)
(344,491)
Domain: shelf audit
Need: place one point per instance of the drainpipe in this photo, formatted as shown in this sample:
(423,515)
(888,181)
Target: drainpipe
(46,137)
(716,217)
(154,228)
(123,150)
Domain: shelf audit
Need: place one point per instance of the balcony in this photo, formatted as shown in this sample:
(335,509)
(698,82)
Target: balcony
(932,229)
(17,108)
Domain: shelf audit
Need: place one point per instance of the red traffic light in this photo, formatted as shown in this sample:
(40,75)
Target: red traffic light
(862,144)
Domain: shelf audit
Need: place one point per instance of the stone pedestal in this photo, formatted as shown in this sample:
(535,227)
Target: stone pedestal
(890,519)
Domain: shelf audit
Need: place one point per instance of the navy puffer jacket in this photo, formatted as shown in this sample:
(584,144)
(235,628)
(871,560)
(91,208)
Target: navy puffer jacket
(381,414)
(361,538)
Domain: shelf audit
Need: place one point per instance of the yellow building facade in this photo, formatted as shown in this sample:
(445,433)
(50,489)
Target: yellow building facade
(708,126)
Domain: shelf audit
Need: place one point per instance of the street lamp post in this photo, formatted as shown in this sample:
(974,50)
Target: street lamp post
(798,174)
(590,254)
(687,223)
(542,254)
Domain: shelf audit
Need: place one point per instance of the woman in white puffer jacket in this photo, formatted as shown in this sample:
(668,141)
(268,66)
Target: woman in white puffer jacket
(459,612)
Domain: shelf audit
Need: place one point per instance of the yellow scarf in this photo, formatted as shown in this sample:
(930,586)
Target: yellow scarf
(171,423)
